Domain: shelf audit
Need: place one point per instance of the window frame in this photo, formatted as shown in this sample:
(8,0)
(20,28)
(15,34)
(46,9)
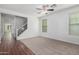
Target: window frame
(44,26)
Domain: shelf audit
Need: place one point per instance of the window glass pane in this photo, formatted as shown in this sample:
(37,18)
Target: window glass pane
(44,29)
(74,18)
(74,29)
(44,23)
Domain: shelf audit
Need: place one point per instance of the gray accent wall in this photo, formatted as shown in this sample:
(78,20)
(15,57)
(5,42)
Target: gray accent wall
(16,21)
(0,26)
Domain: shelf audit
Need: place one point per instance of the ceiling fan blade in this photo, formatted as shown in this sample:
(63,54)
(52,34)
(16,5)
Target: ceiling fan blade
(54,5)
(50,9)
(39,9)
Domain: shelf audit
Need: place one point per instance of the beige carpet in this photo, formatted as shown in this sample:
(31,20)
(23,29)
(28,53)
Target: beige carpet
(45,46)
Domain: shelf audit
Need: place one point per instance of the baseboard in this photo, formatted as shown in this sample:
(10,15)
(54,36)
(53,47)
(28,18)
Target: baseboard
(29,38)
(60,40)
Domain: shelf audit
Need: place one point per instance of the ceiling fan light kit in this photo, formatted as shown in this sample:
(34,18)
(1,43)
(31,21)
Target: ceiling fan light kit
(46,8)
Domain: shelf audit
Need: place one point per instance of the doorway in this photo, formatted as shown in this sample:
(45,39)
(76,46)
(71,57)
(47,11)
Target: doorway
(8,30)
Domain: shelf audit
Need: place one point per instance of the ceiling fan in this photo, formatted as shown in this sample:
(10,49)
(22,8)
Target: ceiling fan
(46,8)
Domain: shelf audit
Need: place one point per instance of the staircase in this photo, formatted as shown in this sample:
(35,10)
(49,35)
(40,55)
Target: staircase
(22,29)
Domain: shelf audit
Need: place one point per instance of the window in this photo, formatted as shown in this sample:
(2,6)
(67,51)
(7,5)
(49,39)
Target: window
(44,25)
(74,24)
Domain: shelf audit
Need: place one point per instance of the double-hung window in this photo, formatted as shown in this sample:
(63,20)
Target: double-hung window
(44,25)
(74,24)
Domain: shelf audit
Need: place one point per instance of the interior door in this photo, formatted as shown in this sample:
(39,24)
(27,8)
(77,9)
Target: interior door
(8,31)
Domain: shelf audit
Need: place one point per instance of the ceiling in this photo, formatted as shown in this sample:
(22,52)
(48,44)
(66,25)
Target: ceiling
(30,9)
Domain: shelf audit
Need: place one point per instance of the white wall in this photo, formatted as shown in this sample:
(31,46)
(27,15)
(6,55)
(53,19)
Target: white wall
(58,26)
(32,29)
